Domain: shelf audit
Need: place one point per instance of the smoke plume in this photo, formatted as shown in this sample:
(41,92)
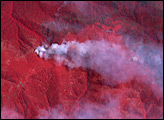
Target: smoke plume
(108,59)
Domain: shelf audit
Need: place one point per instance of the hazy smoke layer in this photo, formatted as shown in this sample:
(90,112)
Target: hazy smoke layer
(10,114)
(87,111)
(114,63)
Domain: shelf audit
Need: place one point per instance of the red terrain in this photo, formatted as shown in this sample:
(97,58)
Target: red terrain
(32,87)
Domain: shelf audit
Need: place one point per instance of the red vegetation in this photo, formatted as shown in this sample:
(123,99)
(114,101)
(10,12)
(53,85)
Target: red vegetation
(29,83)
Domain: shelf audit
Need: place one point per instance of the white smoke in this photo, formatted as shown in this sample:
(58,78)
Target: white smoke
(108,59)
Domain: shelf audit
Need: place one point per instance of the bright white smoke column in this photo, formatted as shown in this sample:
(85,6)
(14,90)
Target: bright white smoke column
(108,59)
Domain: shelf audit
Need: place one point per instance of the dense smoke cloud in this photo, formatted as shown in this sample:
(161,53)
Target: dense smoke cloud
(114,63)
(108,59)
